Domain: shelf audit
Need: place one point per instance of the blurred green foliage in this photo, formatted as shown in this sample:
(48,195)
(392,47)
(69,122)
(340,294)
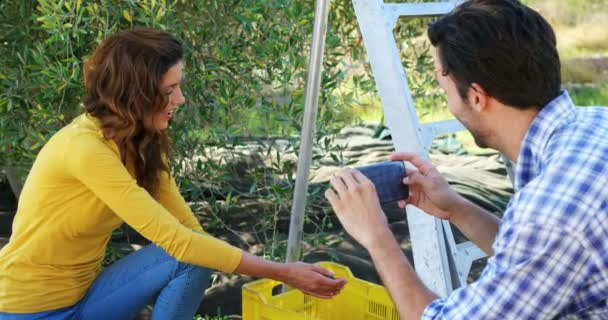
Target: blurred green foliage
(246,63)
(589,95)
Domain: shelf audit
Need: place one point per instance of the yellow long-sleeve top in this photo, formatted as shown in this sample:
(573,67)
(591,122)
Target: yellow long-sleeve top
(78,191)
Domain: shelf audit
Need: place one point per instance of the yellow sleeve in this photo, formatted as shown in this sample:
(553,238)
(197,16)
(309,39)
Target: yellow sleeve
(98,167)
(172,200)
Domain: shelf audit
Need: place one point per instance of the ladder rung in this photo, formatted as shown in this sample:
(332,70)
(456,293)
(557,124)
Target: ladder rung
(470,250)
(427,9)
(443,127)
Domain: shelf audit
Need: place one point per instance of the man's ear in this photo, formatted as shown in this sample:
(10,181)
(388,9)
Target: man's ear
(478,98)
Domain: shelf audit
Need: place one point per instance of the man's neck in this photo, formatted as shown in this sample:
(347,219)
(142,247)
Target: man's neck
(510,126)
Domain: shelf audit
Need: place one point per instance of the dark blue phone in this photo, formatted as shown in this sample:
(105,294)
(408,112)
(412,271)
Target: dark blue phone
(387,177)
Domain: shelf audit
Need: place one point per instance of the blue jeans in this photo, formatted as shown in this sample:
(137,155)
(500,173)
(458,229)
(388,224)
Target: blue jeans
(122,290)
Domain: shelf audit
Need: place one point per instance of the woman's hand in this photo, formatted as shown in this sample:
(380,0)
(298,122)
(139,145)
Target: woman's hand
(429,191)
(312,280)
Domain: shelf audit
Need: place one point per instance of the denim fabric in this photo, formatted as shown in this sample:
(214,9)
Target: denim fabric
(122,290)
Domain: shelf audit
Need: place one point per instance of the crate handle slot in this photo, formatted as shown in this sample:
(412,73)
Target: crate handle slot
(277,289)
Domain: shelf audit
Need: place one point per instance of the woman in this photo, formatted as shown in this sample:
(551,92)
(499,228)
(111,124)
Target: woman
(107,167)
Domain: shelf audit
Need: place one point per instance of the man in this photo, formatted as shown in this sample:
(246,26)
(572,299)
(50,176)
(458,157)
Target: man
(498,64)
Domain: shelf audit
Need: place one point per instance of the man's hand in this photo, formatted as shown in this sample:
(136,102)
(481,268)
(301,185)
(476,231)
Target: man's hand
(356,204)
(312,280)
(354,199)
(429,191)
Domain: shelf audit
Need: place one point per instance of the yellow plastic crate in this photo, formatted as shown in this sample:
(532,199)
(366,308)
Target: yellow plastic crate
(359,300)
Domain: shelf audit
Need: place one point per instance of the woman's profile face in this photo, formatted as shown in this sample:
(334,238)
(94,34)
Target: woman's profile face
(170,86)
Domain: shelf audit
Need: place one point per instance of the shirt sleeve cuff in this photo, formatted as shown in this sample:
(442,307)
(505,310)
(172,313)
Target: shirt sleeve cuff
(235,259)
(433,310)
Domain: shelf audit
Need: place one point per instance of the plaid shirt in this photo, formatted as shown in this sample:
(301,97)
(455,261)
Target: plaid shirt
(551,252)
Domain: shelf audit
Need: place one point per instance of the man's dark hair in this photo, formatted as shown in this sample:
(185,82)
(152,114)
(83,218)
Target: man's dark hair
(502,45)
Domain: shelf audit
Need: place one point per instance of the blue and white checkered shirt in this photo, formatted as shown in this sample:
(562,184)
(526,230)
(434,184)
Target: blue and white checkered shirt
(551,252)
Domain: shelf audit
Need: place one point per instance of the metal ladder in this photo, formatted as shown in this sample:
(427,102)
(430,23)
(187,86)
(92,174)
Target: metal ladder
(441,263)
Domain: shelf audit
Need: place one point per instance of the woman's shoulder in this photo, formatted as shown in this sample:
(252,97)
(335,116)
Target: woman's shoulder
(76,143)
(83,133)
(85,124)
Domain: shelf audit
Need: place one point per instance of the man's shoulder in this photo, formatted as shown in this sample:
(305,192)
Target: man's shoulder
(568,188)
(584,134)
(592,115)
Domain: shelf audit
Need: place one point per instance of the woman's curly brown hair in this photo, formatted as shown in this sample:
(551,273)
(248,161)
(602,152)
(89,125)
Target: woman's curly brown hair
(122,80)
